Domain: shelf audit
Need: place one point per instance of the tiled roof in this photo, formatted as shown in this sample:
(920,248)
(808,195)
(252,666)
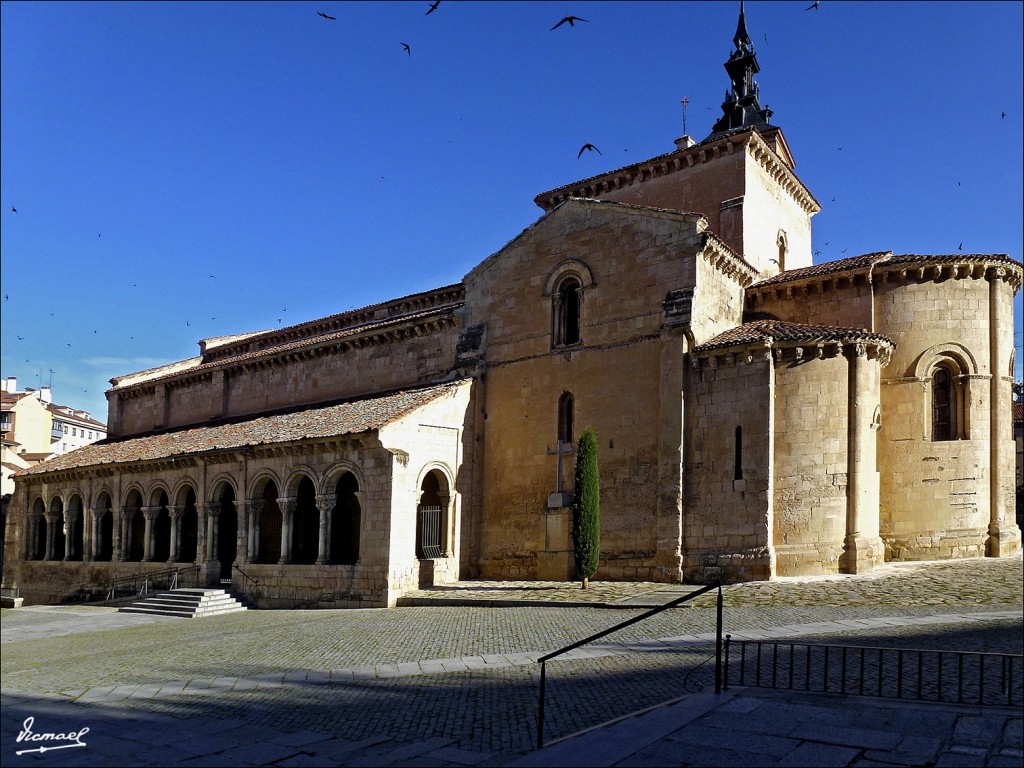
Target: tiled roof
(338,418)
(828,268)
(771,331)
(1018,413)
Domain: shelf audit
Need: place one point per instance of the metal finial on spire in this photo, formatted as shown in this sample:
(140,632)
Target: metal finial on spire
(741,38)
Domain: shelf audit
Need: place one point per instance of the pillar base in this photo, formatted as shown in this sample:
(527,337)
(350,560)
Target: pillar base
(861,554)
(1004,539)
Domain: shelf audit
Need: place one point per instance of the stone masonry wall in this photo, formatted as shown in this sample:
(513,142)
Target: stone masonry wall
(810,470)
(727,521)
(934,494)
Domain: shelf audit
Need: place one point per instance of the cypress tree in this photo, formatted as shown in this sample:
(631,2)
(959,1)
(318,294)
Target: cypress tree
(586,508)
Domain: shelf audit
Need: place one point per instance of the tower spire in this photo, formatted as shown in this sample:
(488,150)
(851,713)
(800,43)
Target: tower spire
(742,107)
(741,37)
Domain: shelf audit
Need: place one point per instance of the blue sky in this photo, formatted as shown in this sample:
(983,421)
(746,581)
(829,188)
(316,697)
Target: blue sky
(187,170)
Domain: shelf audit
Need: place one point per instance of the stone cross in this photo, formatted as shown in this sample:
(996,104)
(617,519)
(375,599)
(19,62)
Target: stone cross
(560,451)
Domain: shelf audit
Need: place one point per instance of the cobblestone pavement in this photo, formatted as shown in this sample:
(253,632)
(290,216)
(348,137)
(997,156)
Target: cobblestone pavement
(457,684)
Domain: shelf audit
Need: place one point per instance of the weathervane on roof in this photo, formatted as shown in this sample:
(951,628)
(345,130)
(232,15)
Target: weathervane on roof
(684,102)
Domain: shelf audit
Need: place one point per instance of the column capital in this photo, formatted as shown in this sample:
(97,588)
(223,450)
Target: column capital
(175,511)
(326,501)
(287,504)
(150,513)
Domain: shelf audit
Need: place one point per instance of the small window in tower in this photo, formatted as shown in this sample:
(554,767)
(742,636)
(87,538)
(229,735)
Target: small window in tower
(737,471)
(565,418)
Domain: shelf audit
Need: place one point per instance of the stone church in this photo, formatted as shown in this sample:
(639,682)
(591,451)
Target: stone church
(758,415)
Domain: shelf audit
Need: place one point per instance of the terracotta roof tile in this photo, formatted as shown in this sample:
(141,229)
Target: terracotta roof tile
(330,420)
(827,268)
(855,263)
(768,332)
(1018,413)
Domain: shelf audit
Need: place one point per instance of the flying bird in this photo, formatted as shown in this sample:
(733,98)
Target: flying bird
(589,148)
(214,277)
(960,247)
(571,19)
(21,338)
(407,48)
(433,7)
(15,210)
(812,7)
(6,297)
(1003,115)
(325,16)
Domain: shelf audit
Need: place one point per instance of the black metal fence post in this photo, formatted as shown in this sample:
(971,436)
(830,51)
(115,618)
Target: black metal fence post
(540,710)
(718,643)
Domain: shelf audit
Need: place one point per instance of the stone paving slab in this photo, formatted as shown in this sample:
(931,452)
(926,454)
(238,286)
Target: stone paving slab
(456,685)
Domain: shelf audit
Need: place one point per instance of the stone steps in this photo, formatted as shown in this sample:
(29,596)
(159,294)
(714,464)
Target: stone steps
(187,603)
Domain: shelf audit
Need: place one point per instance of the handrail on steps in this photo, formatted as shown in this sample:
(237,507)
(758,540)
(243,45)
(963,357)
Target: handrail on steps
(145,576)
(678,601)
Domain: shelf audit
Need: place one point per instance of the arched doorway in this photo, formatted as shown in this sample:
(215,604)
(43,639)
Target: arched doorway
(135,528)
(345,521)
(59,541)
(75,528)
(269,531)
(188,538)
(162,531)
(305,524)
(104,530)
(431,518)
(227,531)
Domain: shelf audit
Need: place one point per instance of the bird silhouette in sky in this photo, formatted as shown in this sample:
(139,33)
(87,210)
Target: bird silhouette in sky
(571,19)
(325,16)
(15,210)
(214,277)
(812,7)
(21,338)
(433,7)
(1003,115)
(589,148)
(960,247)
(6,297)
(407,48)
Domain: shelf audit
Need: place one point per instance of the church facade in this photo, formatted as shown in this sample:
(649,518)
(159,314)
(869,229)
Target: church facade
(758,415)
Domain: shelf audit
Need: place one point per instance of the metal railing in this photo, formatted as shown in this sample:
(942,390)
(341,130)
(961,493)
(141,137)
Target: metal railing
(636,619)
(430,532)
(139,584)
(962,677)
(12,592)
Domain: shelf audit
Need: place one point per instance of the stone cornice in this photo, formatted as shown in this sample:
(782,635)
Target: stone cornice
(727,261)
(397,330)
(875,347)
(888,268)
(940,268)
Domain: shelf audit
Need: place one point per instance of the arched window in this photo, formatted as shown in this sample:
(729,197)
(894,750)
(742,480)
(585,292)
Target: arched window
(566,313)
(942,405)
(565,418)
(947,393)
